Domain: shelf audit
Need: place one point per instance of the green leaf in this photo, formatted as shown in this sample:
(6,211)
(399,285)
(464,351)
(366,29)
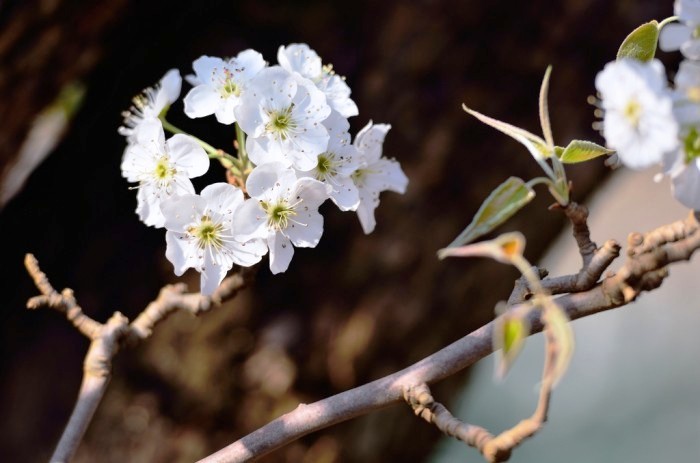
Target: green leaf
(544,110)
(558,327)
(503,202)
(641,43)
(581,150)
(510,331)
(534,144)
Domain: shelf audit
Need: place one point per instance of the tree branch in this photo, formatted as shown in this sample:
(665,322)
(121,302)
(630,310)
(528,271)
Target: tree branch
(641,272)
(107,338)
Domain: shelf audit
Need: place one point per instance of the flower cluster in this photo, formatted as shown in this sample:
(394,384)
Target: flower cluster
(651,122)
(295,151)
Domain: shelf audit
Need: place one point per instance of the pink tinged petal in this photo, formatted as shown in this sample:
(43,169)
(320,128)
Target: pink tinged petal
(180,252)
(203,100)
(345,194)
(281,252)
(269,178)
(213,272)
(305,228)
(249,221)
(181,212)
(204,67)
(298,57)
(673,36)
(686,186)
(250,62)
(187,155)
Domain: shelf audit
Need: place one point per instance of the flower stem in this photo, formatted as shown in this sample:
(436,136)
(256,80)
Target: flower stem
(667,20)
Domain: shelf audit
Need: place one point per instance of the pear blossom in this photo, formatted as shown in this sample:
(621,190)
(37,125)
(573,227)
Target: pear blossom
(638,119)
(284,213)
(337,163)
(162,168)
(219,85)
(683,35)
(283,115)
(299,58)
(376,173)
(150,103)
(200,234)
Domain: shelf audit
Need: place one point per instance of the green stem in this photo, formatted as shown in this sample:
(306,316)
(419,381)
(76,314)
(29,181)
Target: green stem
(667,20)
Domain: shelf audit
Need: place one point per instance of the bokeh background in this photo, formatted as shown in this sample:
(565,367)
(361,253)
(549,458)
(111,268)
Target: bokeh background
(355,308)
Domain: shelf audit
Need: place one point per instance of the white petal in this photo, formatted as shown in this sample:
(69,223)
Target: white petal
(249,221)
(213,272)
(312,192)
(386,174)
(188,155)
(268,179)
(137,161)
(225,112)
(345,194)
(673,35)
(691,49)
(180,212)
(247,253)
(686,186)
(203,100)
(204,67)
(365,210)
(170,86)
(150,135)
(298,57)
(223,198)
(370,140)
(250,62)
(281,252)
(180,252)
(148,207)
(305,229)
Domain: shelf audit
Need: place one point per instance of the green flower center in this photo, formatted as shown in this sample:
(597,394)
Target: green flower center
(164,170)
(281,122)
(207,233)
(326,166)
(278,215)
(691,145)
(633,112)
(230,88)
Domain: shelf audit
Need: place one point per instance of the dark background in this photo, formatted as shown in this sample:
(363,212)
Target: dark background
(355,308)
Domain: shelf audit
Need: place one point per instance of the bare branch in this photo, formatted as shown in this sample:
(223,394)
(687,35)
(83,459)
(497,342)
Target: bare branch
(639,273)
(106,339)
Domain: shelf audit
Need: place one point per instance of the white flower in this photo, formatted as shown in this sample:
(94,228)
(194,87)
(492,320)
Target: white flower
(163,169)
(285,213)
(200,234)
(150,103)
(638,111)
(683,36)
(298,57)
(377,173)
(683,166)
(220,84)
(283,115)
(686,105)
(337,163)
